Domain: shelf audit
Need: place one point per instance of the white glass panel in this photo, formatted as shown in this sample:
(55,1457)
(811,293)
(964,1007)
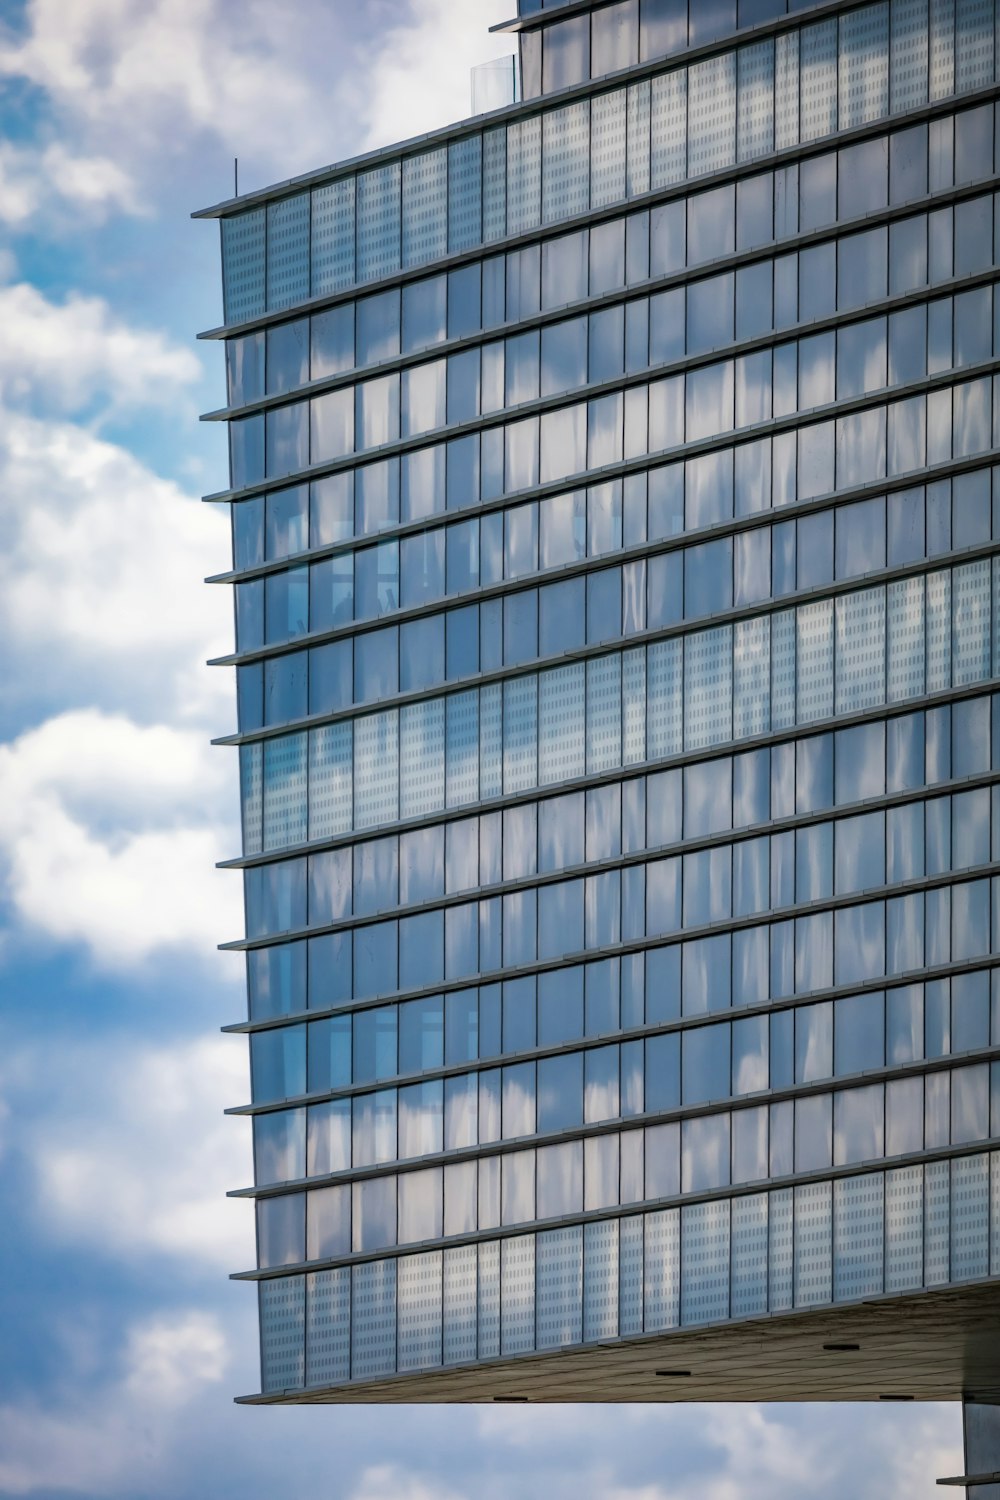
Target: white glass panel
(860,650)
(243,255)
(566,162)
(815,660)
(460,1298)
(664,666)
(712,114)
(904,1229)
(638,138)
(858,1238)
(970,1217)
(465,193)
(421,758)
(604,714)
(937,1208)
(818,50)
(491,741)
(938,631)
(330,780)
(908,54)
(708,687)
(973,44)
(376,756)
(420,1310)
(282,1333)
(755,101)
(971,642)
(749,1256)
(561,695)
(813,1244)
(328,1326)
(630,1295)
(705,1262)
(906,647)
(373,1320)
(489,1300)
(786,90)
(600,1281)
(378,222)
(332,237)
(285,791)
(524,174)
(607,161)
(783,669)
(559,1273)
(634,704)
(942,48)
(517,1295)
(780,1249)
(668,128)
(425,207)
(494,184)
(864,65)
(752,677)
(462,752)
(252,796)
(994,1213)
(662,1276)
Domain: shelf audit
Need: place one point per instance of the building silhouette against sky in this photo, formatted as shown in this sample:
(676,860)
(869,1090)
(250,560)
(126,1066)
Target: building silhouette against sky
(617,614)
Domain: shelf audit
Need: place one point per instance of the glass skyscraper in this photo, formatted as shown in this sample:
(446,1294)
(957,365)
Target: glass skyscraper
(617,570)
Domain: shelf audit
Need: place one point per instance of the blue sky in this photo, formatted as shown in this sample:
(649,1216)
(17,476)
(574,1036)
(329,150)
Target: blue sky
(123,1340)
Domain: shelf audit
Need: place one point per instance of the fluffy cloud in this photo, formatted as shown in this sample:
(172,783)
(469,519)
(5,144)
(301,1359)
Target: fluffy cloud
(148,1175)
(109,832)
(97,1440)
(56,182)
(68,355)
(101,568)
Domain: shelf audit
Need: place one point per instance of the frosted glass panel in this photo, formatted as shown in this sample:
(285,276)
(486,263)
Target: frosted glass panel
(813,1244)
(942,48)
(465,194)
(517,1295)
(664,699)
(906,649)
(376,756)
(524,175)
(668,127)
(752,677)
(252,796)
(566,157)
(333,237)
(858,1217)
(561,750)
(425,207)
(708,687)
(818,52)
(373,1320)
(938,632)
(494,184)
(661,1301)
(600,1280)
(755,101)
(243,238)
(460,1289)
(331,790)
(559,1273)
(285,795)
(520,734)
(864,66)
(970,1217)
(378,222)
(462,748)
(288,251)
(608,153)
(860,651)
(974,44)
(705,1263)
(908,50)
(282,1333)
(712,114)
(420,1291)
(421,759)
(749,1256)
(815,661)
(328,1327)
(786,91)
(638,138)
(971,643)
(604,714)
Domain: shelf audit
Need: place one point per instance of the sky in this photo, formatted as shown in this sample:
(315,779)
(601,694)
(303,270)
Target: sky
(123,1340)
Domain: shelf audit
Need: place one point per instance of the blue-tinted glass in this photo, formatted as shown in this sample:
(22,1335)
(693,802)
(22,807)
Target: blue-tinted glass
(462,642)
(563,356)
(560,1092)
(859,1033)
(710,313)
(464,301)
(278,1063)
(376,665)
(374,1044)
(518,1015)
(424,313)
(708,575)
(461,1027)
(330,1054)
(421,653)
(705,1064)
(663,1082)
(378,327)
(332,341)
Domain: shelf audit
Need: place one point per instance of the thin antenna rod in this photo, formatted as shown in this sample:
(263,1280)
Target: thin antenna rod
(236,177)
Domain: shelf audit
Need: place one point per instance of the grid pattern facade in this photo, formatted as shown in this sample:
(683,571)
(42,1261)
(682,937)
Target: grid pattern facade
(617,620)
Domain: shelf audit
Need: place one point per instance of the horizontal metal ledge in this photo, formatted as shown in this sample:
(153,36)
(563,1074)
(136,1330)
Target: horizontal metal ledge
(694,625)
(629,1210)
(880,982)
(771,917)
(735,173)
(641,290)
(793,733)
(964,1481)
(556,11)
(723,839)
(691,448)
(728,1104)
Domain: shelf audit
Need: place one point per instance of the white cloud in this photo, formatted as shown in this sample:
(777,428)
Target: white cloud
(440,41)
(96,1440)
(101,569)
(53,181)
(109,832)
(70,354)
(389,1482)
(148,1174)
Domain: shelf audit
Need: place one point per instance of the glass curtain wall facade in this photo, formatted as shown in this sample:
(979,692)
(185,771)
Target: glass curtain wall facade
(616,557)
